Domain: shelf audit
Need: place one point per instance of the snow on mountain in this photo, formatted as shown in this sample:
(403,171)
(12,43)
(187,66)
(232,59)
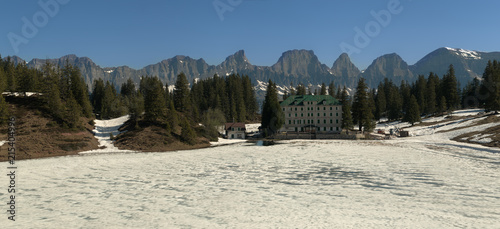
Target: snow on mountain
(466,53)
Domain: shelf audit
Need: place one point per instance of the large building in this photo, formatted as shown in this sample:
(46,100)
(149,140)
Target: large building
(312,113)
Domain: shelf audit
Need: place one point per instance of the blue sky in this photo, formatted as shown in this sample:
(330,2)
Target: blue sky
(138,33)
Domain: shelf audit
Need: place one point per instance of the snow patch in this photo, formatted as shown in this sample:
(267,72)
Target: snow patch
(466,53)
(109,71)
(103,130)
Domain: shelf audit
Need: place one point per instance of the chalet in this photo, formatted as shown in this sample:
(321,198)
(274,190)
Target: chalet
(235,130)
(312,113)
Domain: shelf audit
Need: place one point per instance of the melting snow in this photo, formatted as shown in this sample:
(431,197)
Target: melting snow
(102,131)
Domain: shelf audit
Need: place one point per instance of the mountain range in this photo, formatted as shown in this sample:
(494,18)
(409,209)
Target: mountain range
(293,67)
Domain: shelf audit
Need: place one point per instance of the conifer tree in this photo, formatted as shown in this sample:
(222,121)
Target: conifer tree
(155,106)
(323,89)
(347,122)
(361,108)
(430,106)
(412,115)
(187,134)
(272,114)
(301,89)
(3,80)
(4,110)
(490,88)
(450,89)
(73,113)
(380,101)
(442,105)
(181,93)
(331,90)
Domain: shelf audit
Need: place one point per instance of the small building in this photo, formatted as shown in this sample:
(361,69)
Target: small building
(312,114)
(235,130)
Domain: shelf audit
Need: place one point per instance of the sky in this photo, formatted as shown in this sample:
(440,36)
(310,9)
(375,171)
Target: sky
(139,33)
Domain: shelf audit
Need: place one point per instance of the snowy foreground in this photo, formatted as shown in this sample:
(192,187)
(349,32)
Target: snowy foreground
(426,181)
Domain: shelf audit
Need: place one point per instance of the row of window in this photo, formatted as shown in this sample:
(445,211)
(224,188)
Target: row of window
(318,128)
(310,108)
(312,115)
(290,122)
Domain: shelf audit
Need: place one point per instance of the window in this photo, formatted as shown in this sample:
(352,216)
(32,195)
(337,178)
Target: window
(295,109)
(301,108)
(283,109)
(337,121)
(293,122)
(302,115)
(331,108)
(331,128)
(289,115)
(324,114)
(337,108)
(318,108)
(295,114)
(337,114)
(331,121)
(331,114)
(324,108)
(337,128)
(324,121)
(318,114)
(289,121)
(318,121)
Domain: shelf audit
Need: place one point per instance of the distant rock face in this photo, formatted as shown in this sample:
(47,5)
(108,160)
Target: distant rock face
(346,70)
(390,66)
(293,67)
(467,64)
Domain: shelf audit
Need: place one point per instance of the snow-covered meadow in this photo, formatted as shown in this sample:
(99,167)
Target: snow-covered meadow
(426,181)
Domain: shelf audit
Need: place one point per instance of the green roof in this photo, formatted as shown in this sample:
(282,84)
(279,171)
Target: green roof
(298,100)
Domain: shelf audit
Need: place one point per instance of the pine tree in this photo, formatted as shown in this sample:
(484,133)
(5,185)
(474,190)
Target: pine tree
(361,108)
(172,117)
(380,102)
(421,92)
(442,105)
(412,115)
(73,113)
(181,93)
(10,71)
(3,80)
(97,96)
(301,89)
(490,88)
(347,122)
(155,106)
(450,89)
(331,90)
(272,114)
(430,106)
(323,89)
(187,134)
(4,110)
